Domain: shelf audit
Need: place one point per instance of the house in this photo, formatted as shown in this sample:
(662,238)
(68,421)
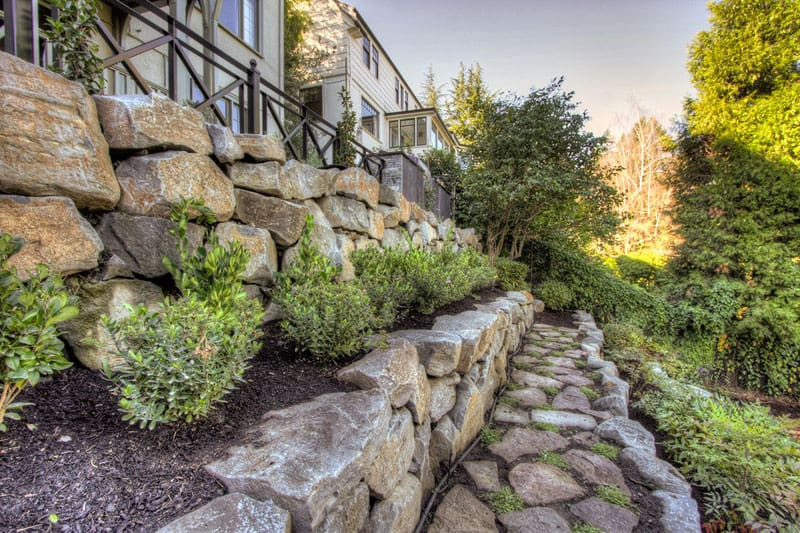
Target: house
(390,116)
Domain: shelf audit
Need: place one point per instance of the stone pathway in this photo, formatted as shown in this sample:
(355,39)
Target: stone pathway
(552,460)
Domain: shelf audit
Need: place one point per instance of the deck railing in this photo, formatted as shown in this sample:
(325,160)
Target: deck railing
(263,107)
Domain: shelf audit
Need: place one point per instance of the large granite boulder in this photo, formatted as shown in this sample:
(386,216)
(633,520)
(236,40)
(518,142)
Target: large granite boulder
(476,330)
(284,220)
(392,369)
(357,183)
(226,147)
(467,414)
(51,139)
(352,215)
(153,184)
(305,182)
(233,513)
(326,241)
(54,232)
(307,456)
(267,178)
(263,261)
(461,511)
(439,351)
(399,512)
(260,148)
(142,243)
(349,514)
(443,395)
(627,433)
(90,340)
(393,238)
(152,122)
(394,457)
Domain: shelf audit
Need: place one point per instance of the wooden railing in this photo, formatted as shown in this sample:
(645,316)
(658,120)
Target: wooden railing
(265,108)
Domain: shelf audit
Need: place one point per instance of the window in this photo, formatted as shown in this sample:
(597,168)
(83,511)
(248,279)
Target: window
(369,118)
(405,100)
(312,98)
(369,55)
(397,91)
(241,18)
(408,132)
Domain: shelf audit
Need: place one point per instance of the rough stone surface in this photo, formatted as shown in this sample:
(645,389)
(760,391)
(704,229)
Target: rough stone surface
(605,516)
(225,146)
(50,138)
(467,414)
(627,432)
(522,441)
(261,148)
(400,511)
(394,456)
(529,397)
(679,512)
(152,184)
(350,513)
(542,484)
(142,242)
(393,238)
(304,181)
(476,330)
(615,386)
(303,456)
(263,261)
(443,395)
(138,122)
(596,469)
(511,415)
(534,520)
(233,513)
(284,220)
(443,442)
(564,419)
(574,380)
(613,403)
(352,215)
(461,511)
(571,398)
(392,369)
(54,233)
(326,241)
(656,473)
(484,474)
(391,216)
(439,351)
(534,380)
(420,402)
(358,184)
(266,178)
(90,340)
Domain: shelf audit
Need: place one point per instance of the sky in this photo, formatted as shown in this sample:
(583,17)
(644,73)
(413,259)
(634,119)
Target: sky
(616,55)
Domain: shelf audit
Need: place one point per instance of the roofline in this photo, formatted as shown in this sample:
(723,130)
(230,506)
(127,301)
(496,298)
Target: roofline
(435,113)
(361,22)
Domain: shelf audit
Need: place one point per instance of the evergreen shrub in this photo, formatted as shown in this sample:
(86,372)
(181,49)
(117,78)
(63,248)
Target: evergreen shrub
(512,275)
(555,294)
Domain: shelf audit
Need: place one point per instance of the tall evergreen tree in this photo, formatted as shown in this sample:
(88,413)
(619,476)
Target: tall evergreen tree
(431,93)
(468,104)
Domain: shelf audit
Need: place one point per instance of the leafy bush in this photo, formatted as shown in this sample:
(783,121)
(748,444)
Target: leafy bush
(180,361)
(329,319)
(741,457)
(554,294)
(384,275)
(71,35)
(29,343)
(636,271)
(512,275)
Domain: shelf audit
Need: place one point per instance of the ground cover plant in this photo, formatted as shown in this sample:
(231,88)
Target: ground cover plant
(179,361)
(29,343)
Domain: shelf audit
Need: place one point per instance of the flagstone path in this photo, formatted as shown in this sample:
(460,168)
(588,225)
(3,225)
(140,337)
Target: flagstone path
(561,455)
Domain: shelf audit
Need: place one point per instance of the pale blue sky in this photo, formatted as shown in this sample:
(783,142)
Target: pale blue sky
(613,53)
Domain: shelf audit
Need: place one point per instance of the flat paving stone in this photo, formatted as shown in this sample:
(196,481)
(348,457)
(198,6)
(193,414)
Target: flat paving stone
(511,415)
(627,432)
(596,469)
(656,473)
(523,441)
(564,419)
(602,416)
(603,515)
(574,380)
(525,360)
(461,511)
(571,398)
(534,520)
(584,439)
(554,369)
(535,348)
(574,354)
(542,484)
(484,474)
(566,362)
(534,380)
(528,397)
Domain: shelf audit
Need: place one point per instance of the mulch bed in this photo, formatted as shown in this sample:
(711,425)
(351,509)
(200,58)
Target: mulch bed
(82,463)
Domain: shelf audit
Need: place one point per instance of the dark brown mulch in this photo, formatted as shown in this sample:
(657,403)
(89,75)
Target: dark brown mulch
(98,473)
(556,318)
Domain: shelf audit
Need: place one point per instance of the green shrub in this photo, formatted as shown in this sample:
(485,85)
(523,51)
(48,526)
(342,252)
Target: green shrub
(74,49)
(383,274)
(327,318)
(512,275)
(505,500)
(622,335)
(29,343)
(741,457)
(636,271)
(555,295)
(180,361)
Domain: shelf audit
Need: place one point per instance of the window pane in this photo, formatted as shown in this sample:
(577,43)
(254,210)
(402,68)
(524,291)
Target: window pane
(365,51)
(229,15)
(369,118)
(405,100)
(394,133)
(375,61)
(407,132)
(397,91)
(422,133)
(250,23)
(235,118)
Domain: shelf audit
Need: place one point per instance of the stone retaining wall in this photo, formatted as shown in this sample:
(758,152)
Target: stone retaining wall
(89,183)
(366,460)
